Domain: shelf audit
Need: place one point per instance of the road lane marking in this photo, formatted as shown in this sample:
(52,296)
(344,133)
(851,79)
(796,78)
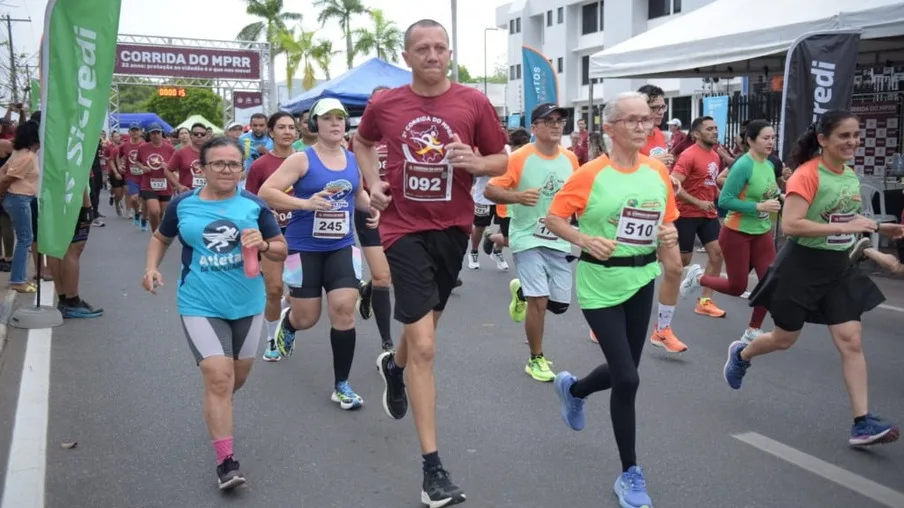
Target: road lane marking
(27,465)
(863,486)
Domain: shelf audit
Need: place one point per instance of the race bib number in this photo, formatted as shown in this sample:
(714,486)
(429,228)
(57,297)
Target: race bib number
(135,170)
(198,181)
(158,184)
(382,168)
(329,225)
(842,239)
(638,227)
(481,210)
(541,231)
(427,182)
(282,218)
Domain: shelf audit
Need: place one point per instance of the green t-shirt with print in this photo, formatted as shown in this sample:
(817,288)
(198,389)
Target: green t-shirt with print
(299,145)
(527,229)
(837,200)
(749,182)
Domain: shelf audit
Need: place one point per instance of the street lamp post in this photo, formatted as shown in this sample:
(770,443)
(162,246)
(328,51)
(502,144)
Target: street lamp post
(485,30)
(455,41)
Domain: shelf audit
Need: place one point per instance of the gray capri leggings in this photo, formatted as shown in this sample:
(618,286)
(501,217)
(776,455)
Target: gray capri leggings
(235,338)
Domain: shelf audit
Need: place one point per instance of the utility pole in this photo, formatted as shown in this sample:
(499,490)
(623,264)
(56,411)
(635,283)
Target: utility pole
(28,91)
(12,55)
(455,40)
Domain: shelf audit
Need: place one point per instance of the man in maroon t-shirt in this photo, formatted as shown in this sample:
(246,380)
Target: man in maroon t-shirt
(155,189)
(430,129)
(128,164)
(116,176)
(184,168)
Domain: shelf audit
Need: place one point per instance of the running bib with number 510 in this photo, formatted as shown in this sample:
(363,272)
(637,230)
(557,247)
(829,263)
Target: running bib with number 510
(638,227)
(427,182)
(330,225)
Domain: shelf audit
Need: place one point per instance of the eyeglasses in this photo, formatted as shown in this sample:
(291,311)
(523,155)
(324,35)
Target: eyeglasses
(632,122)
(199,134)
(552,122)
(221,166)
(659,109)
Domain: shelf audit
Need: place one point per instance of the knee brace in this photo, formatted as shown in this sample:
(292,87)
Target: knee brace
(556,307)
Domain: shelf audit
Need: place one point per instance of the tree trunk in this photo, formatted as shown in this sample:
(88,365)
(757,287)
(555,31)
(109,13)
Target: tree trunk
(348,44)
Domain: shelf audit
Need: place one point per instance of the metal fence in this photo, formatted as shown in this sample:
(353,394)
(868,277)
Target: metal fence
(757,106)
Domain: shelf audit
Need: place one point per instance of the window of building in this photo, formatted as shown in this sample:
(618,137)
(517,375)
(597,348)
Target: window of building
(560,65)
(511,73)
(660,8)
(560,15)
(681,109)
(590,18)
(518,25)
(511,26)
(549,17)
(518,71)
(585,70)
(602,10)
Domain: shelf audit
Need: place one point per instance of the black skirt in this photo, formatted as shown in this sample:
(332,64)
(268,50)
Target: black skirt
(807,285)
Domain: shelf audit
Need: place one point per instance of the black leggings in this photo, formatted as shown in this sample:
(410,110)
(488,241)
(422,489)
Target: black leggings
(96,184)
(621,332)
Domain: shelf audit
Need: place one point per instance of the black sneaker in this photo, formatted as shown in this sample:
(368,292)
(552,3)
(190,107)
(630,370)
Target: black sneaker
(488,244)
(388,346)
(439,490)
(458,283)
(5,266)
(365,299)
(228,474)
(395,400)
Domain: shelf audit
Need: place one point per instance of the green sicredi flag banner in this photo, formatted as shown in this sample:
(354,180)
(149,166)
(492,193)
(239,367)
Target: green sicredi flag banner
(34,95)
(77,56)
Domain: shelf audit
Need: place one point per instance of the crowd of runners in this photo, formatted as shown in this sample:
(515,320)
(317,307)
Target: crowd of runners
(272,220)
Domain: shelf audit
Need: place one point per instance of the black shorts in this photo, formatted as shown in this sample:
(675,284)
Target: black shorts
(325,271)
(117,182)
(82,226)
(483,215)
(424,267)
(367,237)
(145,194)
(704,228)
(503,225)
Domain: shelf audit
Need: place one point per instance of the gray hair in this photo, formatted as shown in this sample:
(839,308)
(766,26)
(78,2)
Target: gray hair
(611,111)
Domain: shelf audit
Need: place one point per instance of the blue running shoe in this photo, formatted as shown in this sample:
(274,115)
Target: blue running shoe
(144,226)
(631,489)
(346,397)
(285,340)
(572,407)
(271,354)
(79,310)
(136,221)
(735,367)
(872,431)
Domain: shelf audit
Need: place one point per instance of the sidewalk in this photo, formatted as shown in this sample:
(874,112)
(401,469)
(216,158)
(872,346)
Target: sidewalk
(8,300)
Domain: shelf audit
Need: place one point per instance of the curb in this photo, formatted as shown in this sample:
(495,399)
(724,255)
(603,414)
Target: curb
(6,310)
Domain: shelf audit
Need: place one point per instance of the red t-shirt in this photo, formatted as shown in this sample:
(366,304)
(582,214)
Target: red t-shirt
(187,162)
(128,154)
(381,154)
(427,193)
(111,153)
(656,144)
(700,168)
(155,159)
(260,171)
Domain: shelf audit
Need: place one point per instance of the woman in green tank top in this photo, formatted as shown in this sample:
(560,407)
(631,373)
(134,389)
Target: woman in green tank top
(813,279)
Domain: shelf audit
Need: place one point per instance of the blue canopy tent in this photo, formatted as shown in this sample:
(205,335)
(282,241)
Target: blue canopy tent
(352,88)
(143,119)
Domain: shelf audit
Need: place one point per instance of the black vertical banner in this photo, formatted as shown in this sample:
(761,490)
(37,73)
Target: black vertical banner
(819,76)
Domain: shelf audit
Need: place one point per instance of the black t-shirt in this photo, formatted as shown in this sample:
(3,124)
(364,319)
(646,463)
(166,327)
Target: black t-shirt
(777,164)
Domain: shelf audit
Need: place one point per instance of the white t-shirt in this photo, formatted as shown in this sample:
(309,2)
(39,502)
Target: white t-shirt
(480,184)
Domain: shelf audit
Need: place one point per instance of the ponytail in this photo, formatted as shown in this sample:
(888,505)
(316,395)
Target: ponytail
(807,145)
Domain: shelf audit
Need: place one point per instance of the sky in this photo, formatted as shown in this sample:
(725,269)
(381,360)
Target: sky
(222,20)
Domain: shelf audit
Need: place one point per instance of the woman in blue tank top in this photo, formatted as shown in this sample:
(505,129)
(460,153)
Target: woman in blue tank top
(327,190)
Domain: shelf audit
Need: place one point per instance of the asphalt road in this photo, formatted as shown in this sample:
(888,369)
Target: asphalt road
(125,388)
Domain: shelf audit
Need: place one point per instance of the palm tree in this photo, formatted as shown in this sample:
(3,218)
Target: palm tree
(342,11)
(272,24)
(323,54)
(384,39)
(299,53)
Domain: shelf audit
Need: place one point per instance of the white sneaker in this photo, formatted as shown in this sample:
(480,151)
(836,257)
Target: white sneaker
(473,261)
(749,335)
(501,263)
(691,280)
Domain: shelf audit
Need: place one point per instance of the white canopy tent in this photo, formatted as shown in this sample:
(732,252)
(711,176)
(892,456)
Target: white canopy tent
(737,37)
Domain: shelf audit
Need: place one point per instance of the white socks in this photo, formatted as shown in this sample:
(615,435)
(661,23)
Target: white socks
(665,316)
(271,329)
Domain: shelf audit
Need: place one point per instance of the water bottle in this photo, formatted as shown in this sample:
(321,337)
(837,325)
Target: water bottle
(251,262)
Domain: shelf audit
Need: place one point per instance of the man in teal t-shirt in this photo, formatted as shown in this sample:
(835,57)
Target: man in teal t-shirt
(535,173)
(307,138)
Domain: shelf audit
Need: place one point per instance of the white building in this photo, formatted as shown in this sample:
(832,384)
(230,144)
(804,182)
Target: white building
(569,31)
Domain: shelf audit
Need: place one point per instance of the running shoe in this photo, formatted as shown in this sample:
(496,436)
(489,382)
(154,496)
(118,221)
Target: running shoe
(271,353)
(666,339)
(346,397)
(691,280)
(79,310)
(735,367)
(365,299)
(858,248)
(285,340)
(572,407)
(439,490)
(501,263)
(538,368)
(395,400)
(387,345)
(136,220)
(144,226)
(487,244)
(517,307)
(873,431)
(474,260)
(631,489)
(750,334)
(707,307)
(228,474)
(458,283)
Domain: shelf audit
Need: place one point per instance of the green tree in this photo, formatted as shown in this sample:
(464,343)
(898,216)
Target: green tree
(299,49)
(383,40)
(132,98)
(323,54)
(272,24)
(197,101)
(342,11)
(464,75)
